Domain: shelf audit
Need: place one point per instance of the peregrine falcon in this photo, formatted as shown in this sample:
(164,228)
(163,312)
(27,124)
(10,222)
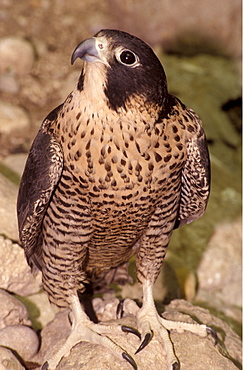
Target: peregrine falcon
(112,171)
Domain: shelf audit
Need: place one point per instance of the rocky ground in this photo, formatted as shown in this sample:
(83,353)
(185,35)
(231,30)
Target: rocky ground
(199,47)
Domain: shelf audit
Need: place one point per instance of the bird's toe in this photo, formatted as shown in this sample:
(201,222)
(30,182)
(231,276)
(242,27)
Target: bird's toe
(145,342)
(120,309)
(213,334)
(45,366)
(176,366)
(129,359)
(129,329)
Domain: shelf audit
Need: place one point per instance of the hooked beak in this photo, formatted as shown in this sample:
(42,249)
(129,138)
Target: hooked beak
(87,50)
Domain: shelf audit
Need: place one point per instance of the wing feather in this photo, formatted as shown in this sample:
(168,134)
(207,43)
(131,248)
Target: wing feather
(195,181)
(41,174)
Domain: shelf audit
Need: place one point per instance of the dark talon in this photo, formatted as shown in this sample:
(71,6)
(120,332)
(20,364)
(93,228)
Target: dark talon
(129,359)
(45,366)
(144,343)
(128,329)
(175,366)
(119,310)
(213,333)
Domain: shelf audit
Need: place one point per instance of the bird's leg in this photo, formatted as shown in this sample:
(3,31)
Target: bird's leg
(83,329)
(149,323)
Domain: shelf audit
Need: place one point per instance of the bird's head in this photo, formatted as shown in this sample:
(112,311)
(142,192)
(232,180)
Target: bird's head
(130,68)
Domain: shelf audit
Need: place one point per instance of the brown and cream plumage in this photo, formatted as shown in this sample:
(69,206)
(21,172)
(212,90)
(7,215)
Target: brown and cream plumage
(111,173)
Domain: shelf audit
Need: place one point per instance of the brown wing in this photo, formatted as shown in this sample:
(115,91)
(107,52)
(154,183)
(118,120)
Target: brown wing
(41,174)
(195,181)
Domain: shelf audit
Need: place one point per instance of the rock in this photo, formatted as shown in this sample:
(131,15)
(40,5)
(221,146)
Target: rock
(53,334)
(231,314)
(41,312)
(16,162)
(223,255)
(105,308)
(192,350)
(21,339)
(17,55)
(12,312)
(206,81)
(219,273)
(9,83)
(15,274)
(12,117)
(8,361)
(229,342)
(183,26)
(69,84)
(8,215)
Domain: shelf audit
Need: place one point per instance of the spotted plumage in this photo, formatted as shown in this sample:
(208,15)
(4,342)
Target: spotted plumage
(111,173)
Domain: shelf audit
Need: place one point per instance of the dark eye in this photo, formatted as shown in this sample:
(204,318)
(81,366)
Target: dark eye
(128,58)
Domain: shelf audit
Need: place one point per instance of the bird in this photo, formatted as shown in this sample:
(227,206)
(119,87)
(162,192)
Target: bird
(112,172)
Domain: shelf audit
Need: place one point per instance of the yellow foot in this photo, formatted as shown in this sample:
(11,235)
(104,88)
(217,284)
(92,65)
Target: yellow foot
(85,330)
(149,322)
